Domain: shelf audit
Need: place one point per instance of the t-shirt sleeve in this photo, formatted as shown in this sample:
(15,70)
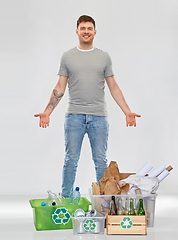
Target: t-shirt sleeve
(62,68)
(108,69)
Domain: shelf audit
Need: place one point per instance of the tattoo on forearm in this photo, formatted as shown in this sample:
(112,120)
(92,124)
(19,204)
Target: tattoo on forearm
(54,99)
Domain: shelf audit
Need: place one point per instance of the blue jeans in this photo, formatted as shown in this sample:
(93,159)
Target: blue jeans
(75,127)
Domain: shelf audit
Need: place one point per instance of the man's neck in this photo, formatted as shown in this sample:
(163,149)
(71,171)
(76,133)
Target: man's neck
(84,46)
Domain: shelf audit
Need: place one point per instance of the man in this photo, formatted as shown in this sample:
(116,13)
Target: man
(85,69)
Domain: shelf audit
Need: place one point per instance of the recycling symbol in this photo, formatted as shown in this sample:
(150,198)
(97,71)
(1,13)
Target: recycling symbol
(89,224)
(61,216)
(126,223)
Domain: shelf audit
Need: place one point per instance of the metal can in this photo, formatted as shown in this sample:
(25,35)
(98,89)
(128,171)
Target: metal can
(94,213)
(76,222)
(87,214)
(79,213)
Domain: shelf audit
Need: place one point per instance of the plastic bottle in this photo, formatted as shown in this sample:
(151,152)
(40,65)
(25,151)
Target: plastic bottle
(62,199)
(74,197)
(44,204)
(53,199)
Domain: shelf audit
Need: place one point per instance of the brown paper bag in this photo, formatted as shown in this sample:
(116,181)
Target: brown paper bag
(112,171)
(111,187)
(109,182)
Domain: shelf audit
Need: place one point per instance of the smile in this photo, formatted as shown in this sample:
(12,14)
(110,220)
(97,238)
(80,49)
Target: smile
(86,36)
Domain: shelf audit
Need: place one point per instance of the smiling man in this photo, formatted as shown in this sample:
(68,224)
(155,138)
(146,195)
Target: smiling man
(85,69)
(86,32)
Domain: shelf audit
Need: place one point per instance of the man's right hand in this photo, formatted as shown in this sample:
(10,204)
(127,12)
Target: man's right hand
(44,119)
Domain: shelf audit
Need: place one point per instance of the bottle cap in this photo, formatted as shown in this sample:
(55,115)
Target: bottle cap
(113,198)
(77,188)
(43,204)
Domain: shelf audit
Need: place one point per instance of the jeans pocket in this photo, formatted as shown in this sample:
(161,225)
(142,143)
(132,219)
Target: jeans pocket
(68,115)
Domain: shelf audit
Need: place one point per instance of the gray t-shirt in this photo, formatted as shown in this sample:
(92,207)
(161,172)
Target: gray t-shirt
(86,72)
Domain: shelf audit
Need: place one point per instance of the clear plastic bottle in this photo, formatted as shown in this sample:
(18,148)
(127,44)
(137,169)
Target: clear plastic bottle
(53,199)
(62,199)
(74,197)
(44,204)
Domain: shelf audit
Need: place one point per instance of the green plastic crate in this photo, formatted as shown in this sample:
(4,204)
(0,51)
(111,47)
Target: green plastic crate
(55,217)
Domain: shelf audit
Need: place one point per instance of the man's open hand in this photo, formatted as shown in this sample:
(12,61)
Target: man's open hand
(130,119)
(44,119)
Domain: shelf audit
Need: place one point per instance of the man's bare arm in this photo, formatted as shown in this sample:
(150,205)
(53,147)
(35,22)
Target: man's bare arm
(57,94)
(117,94)
(120,100)
(55,98)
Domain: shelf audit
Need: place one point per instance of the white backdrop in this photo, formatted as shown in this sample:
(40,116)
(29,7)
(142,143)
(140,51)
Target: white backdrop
(141,38)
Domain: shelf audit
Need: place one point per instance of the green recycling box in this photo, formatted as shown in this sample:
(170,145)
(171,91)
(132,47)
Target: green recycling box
(55,217)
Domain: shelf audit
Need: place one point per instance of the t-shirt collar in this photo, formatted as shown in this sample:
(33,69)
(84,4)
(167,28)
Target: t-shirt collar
(85,50)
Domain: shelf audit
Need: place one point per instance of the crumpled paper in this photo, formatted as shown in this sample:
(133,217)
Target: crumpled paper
(146,184)
(109,182)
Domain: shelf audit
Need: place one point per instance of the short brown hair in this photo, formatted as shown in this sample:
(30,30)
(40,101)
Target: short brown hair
(85,18)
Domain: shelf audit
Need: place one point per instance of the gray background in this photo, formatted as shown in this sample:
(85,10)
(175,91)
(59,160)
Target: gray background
(140,36)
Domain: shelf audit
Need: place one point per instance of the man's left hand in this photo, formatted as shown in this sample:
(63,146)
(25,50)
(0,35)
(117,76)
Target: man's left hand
(130,119)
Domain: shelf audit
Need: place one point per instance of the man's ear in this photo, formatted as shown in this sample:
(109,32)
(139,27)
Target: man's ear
(77,31)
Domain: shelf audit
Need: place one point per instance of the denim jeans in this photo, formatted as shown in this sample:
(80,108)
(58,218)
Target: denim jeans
(75,127)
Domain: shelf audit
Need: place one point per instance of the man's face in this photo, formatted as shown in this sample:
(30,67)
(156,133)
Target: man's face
(86,32)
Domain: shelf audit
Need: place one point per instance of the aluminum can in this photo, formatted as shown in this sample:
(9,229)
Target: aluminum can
(79,213)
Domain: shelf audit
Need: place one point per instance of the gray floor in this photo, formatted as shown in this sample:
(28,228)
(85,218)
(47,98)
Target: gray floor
(16,222)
